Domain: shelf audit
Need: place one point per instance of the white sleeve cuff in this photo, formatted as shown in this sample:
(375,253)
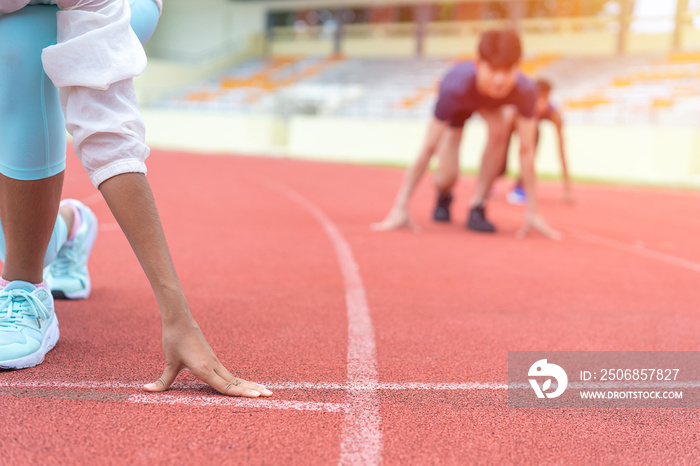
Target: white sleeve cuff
(117,168)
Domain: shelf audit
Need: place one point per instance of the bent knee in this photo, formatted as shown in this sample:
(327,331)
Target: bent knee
(33,145)
(446,176)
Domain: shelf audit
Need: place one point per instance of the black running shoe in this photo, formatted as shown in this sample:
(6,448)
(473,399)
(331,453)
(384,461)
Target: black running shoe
(477,220)
(442,209)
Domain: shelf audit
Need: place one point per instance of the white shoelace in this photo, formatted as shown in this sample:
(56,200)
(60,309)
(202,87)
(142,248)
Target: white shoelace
(64,263)
(16,304)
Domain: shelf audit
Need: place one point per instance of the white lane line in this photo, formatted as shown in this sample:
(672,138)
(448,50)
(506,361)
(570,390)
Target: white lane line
(461,386)
(386,386)
(361,441)
(633,249)
(93,385)
(157,398)
(442,386)
(651,190)
(88,385)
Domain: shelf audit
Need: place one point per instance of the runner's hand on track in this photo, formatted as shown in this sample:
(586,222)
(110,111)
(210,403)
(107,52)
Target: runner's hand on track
(535,222)
(567,197)
(185,347)
(397,218)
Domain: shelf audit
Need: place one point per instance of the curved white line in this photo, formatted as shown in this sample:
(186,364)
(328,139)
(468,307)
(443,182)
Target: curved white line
(632,249)
(637,250)
(362,435)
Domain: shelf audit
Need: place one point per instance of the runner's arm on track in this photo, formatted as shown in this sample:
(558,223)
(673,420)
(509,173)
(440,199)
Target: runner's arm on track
(558,121)
(93,64)
(130,199)
(527,132)
(399,216)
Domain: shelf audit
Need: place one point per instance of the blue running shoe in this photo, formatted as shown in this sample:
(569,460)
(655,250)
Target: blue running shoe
(67,276)
(517,196)
(28,325)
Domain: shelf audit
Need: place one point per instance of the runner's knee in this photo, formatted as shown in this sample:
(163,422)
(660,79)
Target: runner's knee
(32,135)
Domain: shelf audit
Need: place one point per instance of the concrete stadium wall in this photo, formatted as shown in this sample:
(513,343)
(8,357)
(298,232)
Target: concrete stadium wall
(639,154)
(204,30)
(581,43)
(644,154)
(588,44)
(215,132)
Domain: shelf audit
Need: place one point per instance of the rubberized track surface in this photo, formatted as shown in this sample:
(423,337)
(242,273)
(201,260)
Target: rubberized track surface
(379,346)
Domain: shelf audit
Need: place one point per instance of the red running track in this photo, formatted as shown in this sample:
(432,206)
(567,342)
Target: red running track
(285,278)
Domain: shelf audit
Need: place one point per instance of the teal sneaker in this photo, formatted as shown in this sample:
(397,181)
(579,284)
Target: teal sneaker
(67,276)
(28,325)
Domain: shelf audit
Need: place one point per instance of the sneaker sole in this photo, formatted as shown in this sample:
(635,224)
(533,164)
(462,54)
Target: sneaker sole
(479,230)
(92,237)
(515,201)
(50,339)
(82,294)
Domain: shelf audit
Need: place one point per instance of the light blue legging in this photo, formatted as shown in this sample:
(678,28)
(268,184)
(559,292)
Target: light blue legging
(32,127)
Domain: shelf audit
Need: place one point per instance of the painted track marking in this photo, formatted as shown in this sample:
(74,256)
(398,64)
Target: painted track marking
(169,399)
(362,435)
(94,385)
(105,392)
(634,249)
(217,400)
